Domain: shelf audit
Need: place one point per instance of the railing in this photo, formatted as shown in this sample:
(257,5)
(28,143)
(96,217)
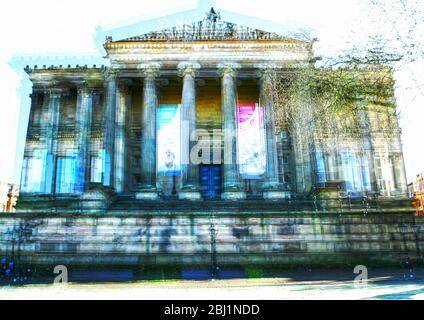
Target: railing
(366,204)
(63,203)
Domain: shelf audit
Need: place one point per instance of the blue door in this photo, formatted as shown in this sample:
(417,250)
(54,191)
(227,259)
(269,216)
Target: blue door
(210,181)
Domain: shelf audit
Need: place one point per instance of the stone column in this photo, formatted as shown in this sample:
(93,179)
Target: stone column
(84,119)
(120,136)
(231,176)
(109,131)
(52,126)
(272,188)
(366,124)
(189,170)
(148,188)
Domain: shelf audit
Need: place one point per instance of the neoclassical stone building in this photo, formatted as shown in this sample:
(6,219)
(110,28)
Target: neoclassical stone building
(135,126)
(170,154)
(111,126)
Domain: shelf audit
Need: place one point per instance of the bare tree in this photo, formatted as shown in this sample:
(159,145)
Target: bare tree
(329,97)
(399,28)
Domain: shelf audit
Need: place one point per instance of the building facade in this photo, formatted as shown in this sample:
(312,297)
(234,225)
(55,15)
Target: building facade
(170,157)
(9,194)
(416,191)
(135,127)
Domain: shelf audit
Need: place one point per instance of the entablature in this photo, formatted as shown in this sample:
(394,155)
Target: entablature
(52,77)
(208,54)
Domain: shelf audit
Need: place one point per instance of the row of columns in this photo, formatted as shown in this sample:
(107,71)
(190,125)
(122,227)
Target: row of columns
(231,177)
(114,144)
(84,119)
(52,125)
(190,173)
(148,138)
(232,184)
(114,141)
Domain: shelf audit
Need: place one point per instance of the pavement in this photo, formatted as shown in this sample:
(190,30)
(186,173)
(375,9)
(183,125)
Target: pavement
(318,285)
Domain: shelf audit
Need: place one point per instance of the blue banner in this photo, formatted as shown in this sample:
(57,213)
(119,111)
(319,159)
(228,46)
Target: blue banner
(169,139)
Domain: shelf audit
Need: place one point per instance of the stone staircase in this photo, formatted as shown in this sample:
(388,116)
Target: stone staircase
(186,240)
(174,235)
(127,204)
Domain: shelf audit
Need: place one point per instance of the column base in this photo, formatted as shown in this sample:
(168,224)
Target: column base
(95,201)
(147,195)
(233,195)
(276,195)
(189,195)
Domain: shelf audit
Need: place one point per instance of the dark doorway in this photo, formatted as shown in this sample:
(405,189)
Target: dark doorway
(210,181)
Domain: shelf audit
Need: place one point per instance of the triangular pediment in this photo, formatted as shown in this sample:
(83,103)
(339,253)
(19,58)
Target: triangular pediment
(211,28)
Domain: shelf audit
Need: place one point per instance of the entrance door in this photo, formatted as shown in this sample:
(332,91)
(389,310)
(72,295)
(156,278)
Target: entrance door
(210,181)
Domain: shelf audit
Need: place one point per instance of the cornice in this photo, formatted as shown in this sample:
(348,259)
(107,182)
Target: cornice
(208,45)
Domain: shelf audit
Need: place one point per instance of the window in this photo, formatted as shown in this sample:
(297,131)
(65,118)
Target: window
(32,179)
(365,173)
(384,175)
(355,171)
(321,176)
(96,169)
(67,173)
(331,168)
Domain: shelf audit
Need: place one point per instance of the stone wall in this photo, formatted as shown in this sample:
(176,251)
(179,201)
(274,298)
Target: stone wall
(183,240)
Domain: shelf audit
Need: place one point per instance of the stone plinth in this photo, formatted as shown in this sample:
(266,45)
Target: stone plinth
(147,195)
(189,195)
(276,195)
(182,240)
(233,195)
(93,201)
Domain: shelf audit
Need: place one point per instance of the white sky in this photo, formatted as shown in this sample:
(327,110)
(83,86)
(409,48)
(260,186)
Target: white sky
(45,26)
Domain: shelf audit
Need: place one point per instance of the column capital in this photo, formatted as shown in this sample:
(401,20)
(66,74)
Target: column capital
(56,92)
(228,68)
(265,70)
(150,70)
(110,74)
(84,89)
(188,68)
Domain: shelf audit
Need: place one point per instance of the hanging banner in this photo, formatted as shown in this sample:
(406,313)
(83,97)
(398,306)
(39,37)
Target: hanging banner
(168,139)
(251,141)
